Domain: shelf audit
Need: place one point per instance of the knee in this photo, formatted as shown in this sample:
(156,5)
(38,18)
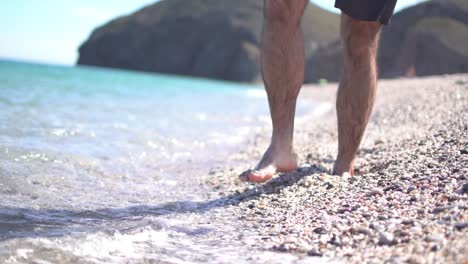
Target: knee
(360,38)
(285,12)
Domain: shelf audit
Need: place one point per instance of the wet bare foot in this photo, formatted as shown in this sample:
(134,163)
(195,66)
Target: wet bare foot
(271,162)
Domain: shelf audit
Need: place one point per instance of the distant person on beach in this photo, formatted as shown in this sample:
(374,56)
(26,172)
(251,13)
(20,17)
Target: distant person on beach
(283,74)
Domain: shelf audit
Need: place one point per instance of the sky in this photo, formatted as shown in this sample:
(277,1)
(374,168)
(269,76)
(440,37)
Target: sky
(50,31)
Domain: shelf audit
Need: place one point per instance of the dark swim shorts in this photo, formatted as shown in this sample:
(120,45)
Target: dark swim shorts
(368,10)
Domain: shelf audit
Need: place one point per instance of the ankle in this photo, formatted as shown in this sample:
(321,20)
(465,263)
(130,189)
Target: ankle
(343,165)
(279,148)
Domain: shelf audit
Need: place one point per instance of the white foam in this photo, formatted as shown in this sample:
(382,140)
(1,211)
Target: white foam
(119,246)
(258,93)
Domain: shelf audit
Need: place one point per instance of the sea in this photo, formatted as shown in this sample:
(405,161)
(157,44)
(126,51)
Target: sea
(105,166)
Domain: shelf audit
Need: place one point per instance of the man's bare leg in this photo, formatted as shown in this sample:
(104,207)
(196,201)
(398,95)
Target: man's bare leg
(357,88)
(283,75)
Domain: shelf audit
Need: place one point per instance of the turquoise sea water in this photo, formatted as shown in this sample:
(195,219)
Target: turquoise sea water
(95,164)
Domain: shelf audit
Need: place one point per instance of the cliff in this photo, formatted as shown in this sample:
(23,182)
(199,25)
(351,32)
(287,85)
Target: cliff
(220,39)
(430,38)
(217,39)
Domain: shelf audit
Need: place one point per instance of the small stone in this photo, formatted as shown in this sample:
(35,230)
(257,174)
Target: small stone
(343,210)
(435,247)
(435,238)
(282,248)
(366,215)
(375,192)
(335,240)
(324,239)
(464,151)
(410,189)
(385,239)
(320,230)
(290,240)
(351,180)
(440,209)
(315,253)
(408,222)
(401,233)
(464,189)
(395,259)
(296,229)
(305,248)
(376,227)
(416,229)
(379,141)
(382,217)
(461,226)
(364,231)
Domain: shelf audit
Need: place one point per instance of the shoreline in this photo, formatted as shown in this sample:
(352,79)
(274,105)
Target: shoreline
(409,203)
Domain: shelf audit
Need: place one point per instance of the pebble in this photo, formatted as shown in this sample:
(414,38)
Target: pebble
(379,141)
(282,248)
(335,240)
(375,227)
(375,192)
(320,230)
(410,189)
(435,247)
(435,238)
(464,189)
(416,229)
(364,231)
(461,226)
(290,240)
(385,238)
(315,253)
(408,222)
(305,248)
(440,209)
(382,217)
(403,202)
(343,210)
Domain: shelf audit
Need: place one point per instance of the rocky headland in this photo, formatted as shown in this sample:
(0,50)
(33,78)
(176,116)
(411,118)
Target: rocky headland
(220,39)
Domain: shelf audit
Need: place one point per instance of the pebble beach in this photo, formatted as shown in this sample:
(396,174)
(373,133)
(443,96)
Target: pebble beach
(92,186)
(407,204)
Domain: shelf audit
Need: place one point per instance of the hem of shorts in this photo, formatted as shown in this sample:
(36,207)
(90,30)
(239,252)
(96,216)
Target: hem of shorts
(380,19)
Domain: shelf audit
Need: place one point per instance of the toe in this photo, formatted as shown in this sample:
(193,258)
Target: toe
(256,176)
(245,175)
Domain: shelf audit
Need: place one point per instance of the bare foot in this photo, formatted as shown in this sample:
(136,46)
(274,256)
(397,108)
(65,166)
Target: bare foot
(272,161)
(341,168)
